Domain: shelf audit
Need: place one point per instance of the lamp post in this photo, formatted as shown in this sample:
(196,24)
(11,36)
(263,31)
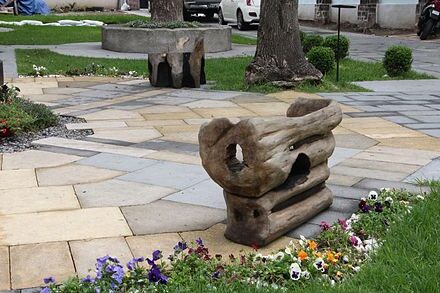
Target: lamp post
(339,6)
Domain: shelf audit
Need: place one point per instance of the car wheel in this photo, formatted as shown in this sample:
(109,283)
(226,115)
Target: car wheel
(427,29)
(241,24)
(221,18)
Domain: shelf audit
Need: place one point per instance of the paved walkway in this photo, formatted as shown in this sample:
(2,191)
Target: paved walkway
(137,185)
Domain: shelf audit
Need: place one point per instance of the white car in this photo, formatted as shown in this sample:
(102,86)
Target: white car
(242,12)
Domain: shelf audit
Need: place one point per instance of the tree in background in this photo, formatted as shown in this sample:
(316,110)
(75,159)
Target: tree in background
(279,59)
(167,10)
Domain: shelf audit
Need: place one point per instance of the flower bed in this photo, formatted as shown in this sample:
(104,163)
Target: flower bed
(18,115)
(337,253)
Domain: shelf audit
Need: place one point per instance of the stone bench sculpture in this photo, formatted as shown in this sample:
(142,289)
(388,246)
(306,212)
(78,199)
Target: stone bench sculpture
(280,181)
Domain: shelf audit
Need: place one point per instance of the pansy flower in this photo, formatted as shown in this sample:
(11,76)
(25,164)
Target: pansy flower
(302,255)
(324,226)
(378,207)
(312,244)
(157,254)
(181,246)
(132,264)
(295,271)
(343,223)
(373,195)
(49,280)
(319,264)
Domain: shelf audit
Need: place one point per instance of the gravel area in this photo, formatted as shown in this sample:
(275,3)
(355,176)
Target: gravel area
(24,141)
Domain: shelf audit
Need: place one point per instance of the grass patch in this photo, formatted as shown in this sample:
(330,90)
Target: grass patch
(242,40)
(228,73)
(52,35)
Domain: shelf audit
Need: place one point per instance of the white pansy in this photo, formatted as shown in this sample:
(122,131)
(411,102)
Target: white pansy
(373,195)
(288,251)
(389,199)
(295,271)
(279,256)
(420,197)
(305,275)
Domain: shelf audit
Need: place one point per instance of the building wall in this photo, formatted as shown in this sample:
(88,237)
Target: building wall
(397,13)
(109,4)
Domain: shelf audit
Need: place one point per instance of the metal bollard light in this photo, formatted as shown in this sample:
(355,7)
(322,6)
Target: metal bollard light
(339,6)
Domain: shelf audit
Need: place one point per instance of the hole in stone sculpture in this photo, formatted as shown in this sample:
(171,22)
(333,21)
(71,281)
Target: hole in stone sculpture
(298,173)
(234,158)
(256,213)
(298,198)
(237,215)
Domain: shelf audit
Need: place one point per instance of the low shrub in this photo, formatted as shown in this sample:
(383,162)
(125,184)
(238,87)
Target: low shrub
(344,45)
(18,115)
(310,41)
(398,60)
(302,36)
(322,58)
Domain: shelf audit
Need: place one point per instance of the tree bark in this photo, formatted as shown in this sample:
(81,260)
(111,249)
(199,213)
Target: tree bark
(279,59)
(167,10)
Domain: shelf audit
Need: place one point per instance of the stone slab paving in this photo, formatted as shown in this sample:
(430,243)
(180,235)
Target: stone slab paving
(137,184)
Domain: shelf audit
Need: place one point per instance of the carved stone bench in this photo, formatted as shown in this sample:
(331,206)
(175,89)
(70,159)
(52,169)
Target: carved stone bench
(280,181)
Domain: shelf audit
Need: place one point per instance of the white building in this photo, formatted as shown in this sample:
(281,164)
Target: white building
(385,13)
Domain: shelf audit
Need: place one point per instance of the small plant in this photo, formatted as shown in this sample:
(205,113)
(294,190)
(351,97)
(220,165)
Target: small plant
(302,36)
(332,42)
(398,60)
(169,25)
(310,41)
(39,71)
(323,58)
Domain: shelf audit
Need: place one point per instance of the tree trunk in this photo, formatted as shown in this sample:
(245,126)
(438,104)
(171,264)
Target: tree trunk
(279,59)
(167,10)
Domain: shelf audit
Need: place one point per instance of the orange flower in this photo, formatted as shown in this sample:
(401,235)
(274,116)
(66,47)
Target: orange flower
(317,254)
(331,257)
(303,255)
(312,244)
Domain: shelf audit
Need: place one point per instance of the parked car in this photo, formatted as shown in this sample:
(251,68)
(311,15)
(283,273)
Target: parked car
(207,7)
(242,12)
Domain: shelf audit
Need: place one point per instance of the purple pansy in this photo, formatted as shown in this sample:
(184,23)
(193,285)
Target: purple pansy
(365,208)
(343,223)
(157,254)
(49,280)
(324,226)
(199,242)
(131,265)
(45,290)
(378,207)
(156,276)
(180,246)
(88,279)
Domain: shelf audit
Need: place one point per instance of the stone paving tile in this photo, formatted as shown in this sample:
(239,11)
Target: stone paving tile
(117,193)
(432,132)
(348,192)
(67,151)
(108,141)
(73,174)
(143,246)
(111,114)
(424,126)
(96,125)
(368,173)
(329,216)
(170,116)
(118,88)
(31,159)
(48,98)
(92,146)
(344,205)
(167,216)
(406,152)
(338,179)
(80,224)
(163,109)
(203,94)
(17,179)
(399,119)
(175,157)
(421,143)
(210,104)
(168,174)
(117,162)
(267,109)
(375,184)
(222,112)
(207,193)
(354,141)
(4,268)
(37,199)
(430,172)
(341,154)
(166,100)
(377,165)
(100,94)
(374,156)
(307,230)
(428,119)
(373,98)
(147,123)
(85,253)
(166,129)
(214,239)
(182,137)
(252,98)
(171,146)
(64,90)
(31,263)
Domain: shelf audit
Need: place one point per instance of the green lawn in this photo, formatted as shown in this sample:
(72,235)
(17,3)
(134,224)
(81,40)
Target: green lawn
(49,35)
(243,40)
(228,73)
